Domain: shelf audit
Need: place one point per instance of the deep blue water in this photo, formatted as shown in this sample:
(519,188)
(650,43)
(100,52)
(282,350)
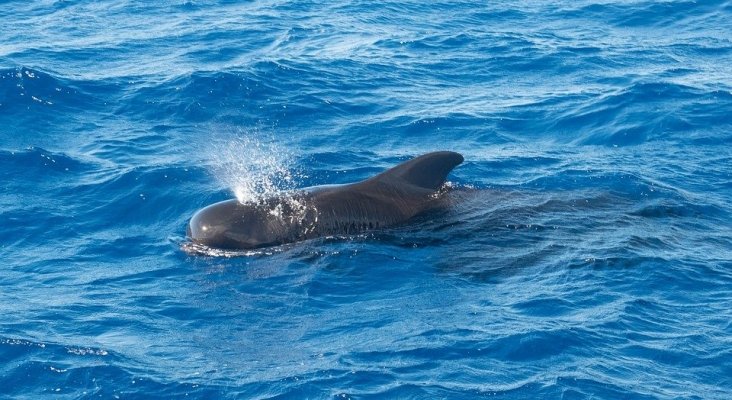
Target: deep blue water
(588,253)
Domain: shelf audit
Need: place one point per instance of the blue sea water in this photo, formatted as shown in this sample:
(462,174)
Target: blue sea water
(588,253)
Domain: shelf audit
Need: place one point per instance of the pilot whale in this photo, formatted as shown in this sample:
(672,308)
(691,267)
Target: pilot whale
(387,199)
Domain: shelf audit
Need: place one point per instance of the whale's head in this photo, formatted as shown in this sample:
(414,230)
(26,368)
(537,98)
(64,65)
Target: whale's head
(232,225)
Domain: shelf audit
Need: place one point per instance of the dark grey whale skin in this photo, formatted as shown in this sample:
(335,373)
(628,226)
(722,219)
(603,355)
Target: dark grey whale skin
(384,200)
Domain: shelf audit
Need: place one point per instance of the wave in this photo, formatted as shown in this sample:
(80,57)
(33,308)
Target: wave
(39,160)
(649,13)
(640,113)
(81,371)
(24,89)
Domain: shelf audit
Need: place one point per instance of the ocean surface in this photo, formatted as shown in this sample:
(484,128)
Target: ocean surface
(588,253)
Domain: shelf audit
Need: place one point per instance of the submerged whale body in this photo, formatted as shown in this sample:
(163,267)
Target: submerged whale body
(384,200)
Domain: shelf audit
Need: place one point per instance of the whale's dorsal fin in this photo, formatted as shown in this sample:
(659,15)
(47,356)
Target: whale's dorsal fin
(427,171)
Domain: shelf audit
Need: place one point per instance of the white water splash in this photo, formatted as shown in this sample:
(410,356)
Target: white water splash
(251,166)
